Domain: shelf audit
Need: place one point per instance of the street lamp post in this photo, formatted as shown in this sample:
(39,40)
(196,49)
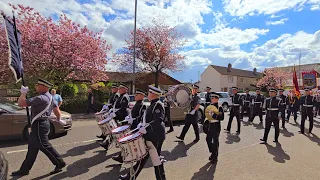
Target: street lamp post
(134,47)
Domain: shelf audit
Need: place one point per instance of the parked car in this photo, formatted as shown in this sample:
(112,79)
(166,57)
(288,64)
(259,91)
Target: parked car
(175,113)
(14,123)
(3,167)
(224,101)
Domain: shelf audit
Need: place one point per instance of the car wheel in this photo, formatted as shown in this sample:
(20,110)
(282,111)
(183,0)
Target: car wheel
(225,107)
(200,116)
(52,131)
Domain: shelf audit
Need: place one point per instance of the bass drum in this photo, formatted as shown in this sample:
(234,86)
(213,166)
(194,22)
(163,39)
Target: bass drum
(179,96)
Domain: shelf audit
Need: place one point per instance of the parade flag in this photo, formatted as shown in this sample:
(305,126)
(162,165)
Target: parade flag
(295,83)
(14,44)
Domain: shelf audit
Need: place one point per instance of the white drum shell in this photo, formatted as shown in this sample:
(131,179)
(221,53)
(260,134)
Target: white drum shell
(107,127)
(134,150)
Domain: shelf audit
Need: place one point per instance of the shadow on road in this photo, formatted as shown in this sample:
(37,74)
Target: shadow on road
(232,138)
(111,174)
(279,154)
(246,123)
(286,133)
(296,124)
(206,172)
(313,138)
(258,126)
(80,150)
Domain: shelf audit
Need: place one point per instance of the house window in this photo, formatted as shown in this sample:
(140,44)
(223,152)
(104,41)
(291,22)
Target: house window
(230,79)
(221,89)
(241,80)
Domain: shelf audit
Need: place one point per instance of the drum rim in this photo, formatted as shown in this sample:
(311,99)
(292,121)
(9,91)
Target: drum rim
(120,131)
(124,142)
(99,113)
(104,122)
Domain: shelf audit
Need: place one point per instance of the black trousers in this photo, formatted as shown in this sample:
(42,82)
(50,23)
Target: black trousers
(213,138)
(140,164)
(38,140)
(247,108)
(283,116)
(234,113)
(190,119)
(294,111)
(307,113)
(269,121)
(256,111)
(167,114)
(91,107)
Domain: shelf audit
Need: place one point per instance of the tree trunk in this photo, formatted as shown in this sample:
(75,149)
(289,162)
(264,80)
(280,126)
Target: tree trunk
(156,76)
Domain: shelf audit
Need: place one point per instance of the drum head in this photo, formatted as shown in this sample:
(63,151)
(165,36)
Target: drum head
(130,137)
(180,96)
(105,120)
(99,113)
(120,129)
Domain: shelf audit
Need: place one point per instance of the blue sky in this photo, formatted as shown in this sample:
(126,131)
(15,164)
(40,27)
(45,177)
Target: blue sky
(247,33)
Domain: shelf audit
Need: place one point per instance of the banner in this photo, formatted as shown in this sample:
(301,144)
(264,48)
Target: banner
(295,83)
(309,79)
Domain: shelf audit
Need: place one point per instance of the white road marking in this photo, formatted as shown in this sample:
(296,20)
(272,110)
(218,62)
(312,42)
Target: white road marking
(239,148)
(24,150)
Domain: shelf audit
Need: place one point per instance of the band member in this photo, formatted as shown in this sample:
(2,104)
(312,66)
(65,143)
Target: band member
(318,104)
(208,98)
(283,106)
(273,114)
(120,107)
(167,112)
(154,135)
(41,108)
(112,99)
(308,104)
(294,104)
(138,109)
(257,101)
(246,104)
(234,112)
(214,129)
(191,117)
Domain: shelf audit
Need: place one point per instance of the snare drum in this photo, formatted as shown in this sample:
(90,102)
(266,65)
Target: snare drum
(120,131)
(107,125)
(100,115)
(179,96)
(133,148)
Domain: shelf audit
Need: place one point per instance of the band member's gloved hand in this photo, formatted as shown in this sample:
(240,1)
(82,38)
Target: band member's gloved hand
(129,119)
(24,90)
(110,110)
(211,113)
(113,115)
(214,116)
(192,112)
(143,130)
(105,107)
(139,125)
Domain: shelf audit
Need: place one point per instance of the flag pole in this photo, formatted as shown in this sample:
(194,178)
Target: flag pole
(19,56)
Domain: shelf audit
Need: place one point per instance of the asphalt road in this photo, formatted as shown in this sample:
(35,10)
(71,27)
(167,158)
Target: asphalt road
(241,157)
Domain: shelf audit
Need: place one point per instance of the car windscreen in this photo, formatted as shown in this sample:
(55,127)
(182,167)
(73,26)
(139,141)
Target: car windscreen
(202,95)
(10,107)
(224,95)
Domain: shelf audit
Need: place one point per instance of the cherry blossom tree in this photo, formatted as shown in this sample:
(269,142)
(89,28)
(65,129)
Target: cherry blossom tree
(274,77)
(56,51)
(157,50)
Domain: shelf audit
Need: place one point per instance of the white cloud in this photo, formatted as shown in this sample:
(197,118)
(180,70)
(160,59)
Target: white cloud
(315,8)
(266,7)
(281,21)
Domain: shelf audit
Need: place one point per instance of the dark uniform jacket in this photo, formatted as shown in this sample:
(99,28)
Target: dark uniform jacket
(208,99)
(122,104)
(258,101)
(284,102)
(236,100)
(155,117)
(219,116)
(137,113)
(246,100)
(272,106)
(113,98)
(293,102)
(194,102)
(308,103)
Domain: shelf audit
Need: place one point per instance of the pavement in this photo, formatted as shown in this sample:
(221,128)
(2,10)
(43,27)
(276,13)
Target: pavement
(241,157)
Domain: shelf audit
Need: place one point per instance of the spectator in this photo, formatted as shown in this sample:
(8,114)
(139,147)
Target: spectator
(90,102)
(56,97)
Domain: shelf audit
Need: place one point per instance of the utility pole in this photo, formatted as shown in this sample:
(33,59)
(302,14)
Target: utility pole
(134,48)
(300,79)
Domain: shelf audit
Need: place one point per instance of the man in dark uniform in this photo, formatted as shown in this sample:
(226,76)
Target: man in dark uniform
(208,98)
(318,104)
(236,102)
(284,103)
(167,112)
(273,114)
(41,108)
(112,99)
(246,104)
(257,102)
(120,107)
(154,135)
(138,109)
(191,117)
(293,106)
(308,106)
(214,129)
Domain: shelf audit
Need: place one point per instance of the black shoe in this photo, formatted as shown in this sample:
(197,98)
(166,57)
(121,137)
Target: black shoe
(105,145)
(58,168)
(226,130)
(214,161)
(170,130)
(179,138)
(238,132)
(276,141)
(211,157)
(263,141)
(101,136)
(118,159)
(196,140)
(20,173)
(301,132)
(124,177)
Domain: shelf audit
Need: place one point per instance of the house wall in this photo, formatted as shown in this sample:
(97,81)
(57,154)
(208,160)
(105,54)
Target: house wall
(210,77)
(226,82)
(244,83)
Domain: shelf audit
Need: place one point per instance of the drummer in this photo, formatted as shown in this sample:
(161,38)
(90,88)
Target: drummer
(214,128)
(154,135)
(138,109)
(114,96)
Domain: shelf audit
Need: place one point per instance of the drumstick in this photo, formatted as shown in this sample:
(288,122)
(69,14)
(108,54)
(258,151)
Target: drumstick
(137,129)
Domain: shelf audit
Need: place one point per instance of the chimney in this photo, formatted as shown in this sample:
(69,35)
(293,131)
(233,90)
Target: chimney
(254,71)
(229,67)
